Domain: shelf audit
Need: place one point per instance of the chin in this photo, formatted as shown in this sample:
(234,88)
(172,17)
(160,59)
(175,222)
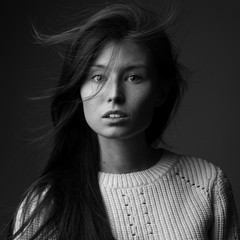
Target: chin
(119,133)
(114,135)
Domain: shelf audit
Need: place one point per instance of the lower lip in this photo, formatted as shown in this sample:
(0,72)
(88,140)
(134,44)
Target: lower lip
(116,120)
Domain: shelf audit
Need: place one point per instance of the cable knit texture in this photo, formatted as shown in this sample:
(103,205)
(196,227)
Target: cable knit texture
(180,197)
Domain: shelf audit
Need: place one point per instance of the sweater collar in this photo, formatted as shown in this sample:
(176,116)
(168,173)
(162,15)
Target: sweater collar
(140,178)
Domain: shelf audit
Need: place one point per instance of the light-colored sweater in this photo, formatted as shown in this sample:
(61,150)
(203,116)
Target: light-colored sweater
(180,197)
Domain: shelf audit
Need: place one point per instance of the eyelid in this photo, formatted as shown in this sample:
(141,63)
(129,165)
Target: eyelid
(139,78)
(95,75)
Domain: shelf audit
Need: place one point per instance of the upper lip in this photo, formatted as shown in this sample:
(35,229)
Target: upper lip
(115,112)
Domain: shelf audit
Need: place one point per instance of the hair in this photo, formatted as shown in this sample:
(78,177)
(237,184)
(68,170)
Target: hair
(72,207)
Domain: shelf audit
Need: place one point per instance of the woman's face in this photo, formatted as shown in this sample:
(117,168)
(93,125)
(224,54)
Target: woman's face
(125,79)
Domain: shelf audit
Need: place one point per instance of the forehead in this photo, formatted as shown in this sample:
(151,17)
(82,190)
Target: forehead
(123,54)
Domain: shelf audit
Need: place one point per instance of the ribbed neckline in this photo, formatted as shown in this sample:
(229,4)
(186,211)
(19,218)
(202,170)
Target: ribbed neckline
(135,179)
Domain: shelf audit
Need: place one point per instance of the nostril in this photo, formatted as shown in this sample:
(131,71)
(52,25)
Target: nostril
(117,99)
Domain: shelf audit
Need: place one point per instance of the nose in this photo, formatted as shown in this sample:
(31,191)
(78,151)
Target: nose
(115,91)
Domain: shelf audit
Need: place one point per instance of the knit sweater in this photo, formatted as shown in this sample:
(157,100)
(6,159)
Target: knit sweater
(180,197)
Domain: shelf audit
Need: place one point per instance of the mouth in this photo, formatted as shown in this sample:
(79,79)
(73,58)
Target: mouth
(115,115)
(116,119)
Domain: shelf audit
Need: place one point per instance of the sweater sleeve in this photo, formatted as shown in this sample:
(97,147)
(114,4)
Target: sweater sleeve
(36,223)
(19,220)
(225,225)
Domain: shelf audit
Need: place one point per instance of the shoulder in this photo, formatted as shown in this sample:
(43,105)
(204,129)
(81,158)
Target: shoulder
(197,172)
(200,180)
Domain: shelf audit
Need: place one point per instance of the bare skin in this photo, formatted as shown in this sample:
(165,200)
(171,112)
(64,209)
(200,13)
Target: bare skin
(127,156)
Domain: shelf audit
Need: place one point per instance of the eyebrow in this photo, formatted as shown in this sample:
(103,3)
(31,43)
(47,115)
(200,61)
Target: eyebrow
(130,67)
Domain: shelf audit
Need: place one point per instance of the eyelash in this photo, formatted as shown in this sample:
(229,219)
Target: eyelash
(136,76)
(98,75)
(132,75)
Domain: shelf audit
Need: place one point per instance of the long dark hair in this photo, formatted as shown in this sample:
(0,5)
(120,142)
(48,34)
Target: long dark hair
(72,207)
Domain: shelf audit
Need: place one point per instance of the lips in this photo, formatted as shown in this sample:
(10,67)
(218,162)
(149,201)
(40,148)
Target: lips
(122,114)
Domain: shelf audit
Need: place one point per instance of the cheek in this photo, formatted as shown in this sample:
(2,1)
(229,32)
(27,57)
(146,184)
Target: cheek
(87,90)
(143,107)
(89,109)
(87,97)
(91,112)
(144,99)
(89,115)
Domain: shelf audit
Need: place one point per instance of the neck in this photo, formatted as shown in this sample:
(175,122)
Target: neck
(126,155)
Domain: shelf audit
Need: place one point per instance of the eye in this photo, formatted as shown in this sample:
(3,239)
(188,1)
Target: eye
(98,78)
(134,78)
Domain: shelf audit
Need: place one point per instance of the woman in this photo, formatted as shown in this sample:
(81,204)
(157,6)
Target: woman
(107,177)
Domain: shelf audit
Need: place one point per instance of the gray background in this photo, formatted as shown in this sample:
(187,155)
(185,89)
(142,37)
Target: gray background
(207,125)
